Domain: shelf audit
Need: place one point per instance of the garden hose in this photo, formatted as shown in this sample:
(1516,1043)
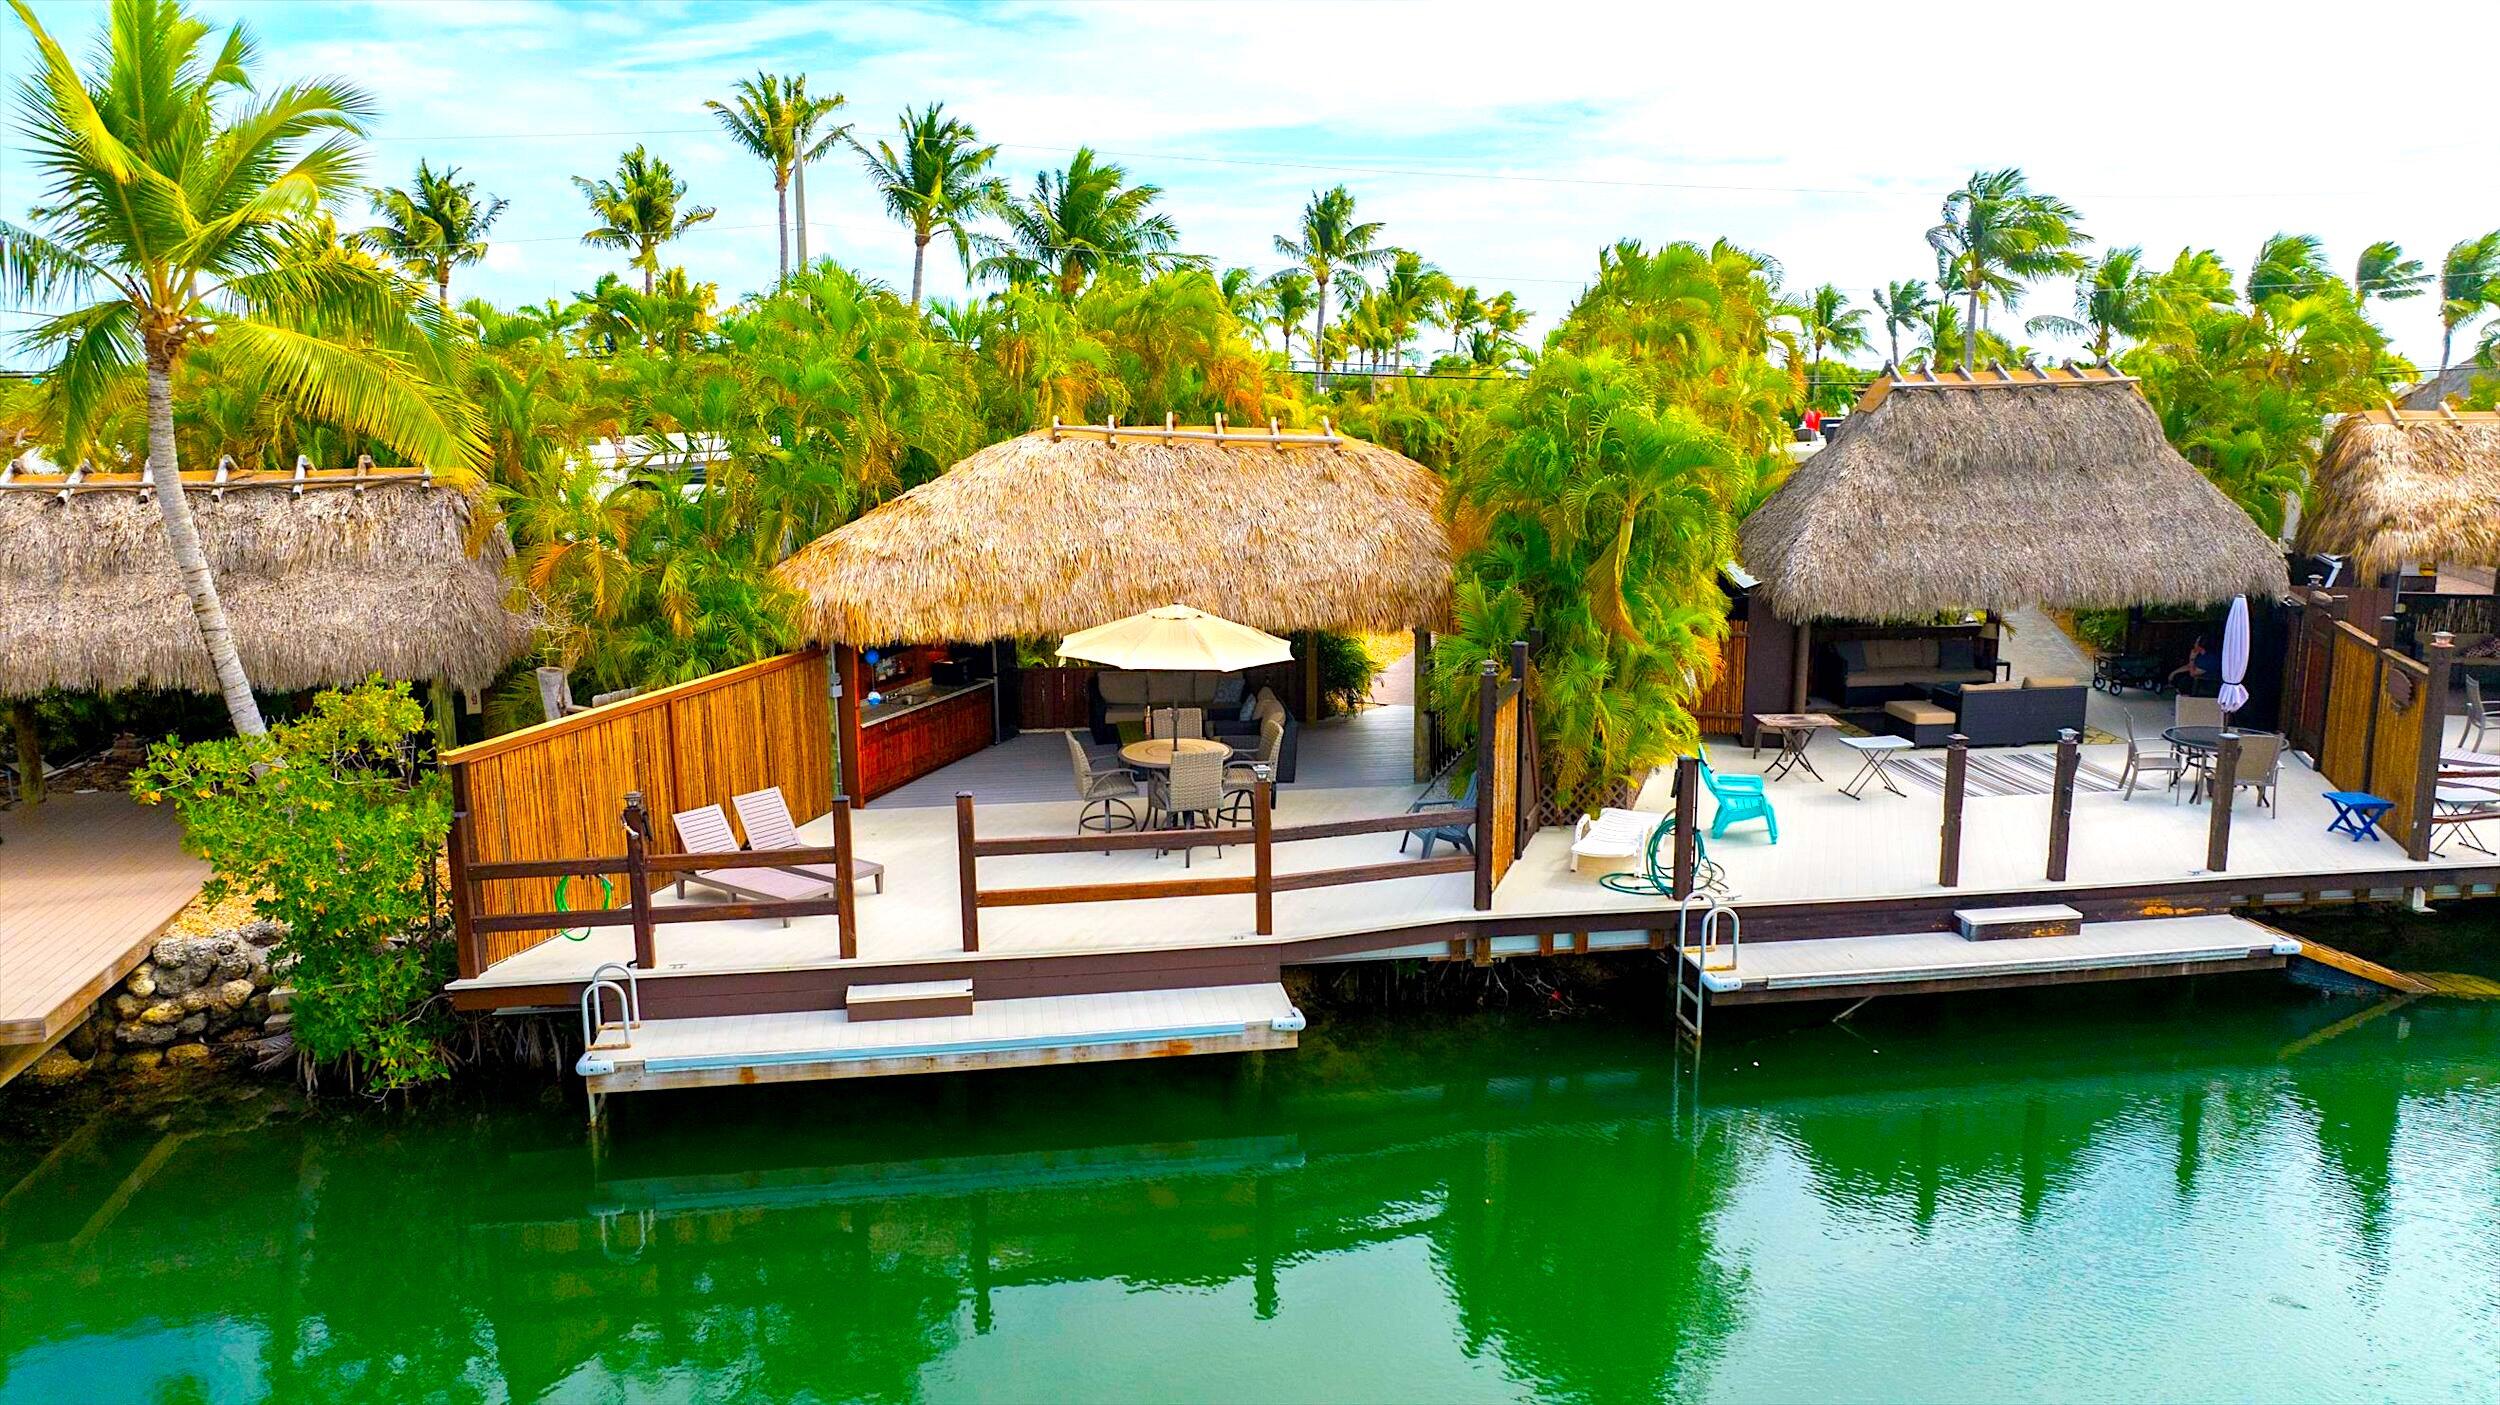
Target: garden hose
(607,898)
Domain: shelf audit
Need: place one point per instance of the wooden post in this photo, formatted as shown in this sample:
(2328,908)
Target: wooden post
(30,752)
(2062,803)
(1263,851)
(1797,675)
(2441,656)
(1956,780)
(2225,783)
(846,738)
(471,955)
(2378,700)
(638,881)
(967,877)
(1687,815)
(1310,677)
(1425,724)
(1488,693)
(845,887)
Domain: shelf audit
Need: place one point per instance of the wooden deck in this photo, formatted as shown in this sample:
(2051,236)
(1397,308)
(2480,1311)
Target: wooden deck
(86,883)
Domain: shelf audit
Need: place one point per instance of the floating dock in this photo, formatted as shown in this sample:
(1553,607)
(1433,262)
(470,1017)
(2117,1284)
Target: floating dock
(718,1050)
(1911,963)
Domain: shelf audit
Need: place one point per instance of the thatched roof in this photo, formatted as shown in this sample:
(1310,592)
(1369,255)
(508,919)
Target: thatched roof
(1060,530)
(2397,487)
(1999,490)
(360,572)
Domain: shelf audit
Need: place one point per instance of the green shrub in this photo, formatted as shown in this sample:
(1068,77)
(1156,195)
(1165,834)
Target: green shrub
(330,828)
(1346,670)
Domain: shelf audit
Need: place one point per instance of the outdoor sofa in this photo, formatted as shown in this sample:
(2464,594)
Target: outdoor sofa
(1874,671)
(2016,714)
(1119,695)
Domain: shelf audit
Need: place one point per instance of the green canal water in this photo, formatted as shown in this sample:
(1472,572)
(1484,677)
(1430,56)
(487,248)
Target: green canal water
(2227,1190)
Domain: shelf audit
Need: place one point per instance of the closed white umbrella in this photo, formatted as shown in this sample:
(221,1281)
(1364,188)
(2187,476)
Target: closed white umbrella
(2234,658)
(1176,637)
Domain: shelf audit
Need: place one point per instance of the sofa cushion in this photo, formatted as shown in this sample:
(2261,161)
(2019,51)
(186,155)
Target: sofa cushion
(1900,653)
(2005,687)
(2052,682)
(1122,688)
(1852,655)
(1957,654)
(1899,677)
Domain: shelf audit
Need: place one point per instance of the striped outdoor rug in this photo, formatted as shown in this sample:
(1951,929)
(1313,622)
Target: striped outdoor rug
(2004,773)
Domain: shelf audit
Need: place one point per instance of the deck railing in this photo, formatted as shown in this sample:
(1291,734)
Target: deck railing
(641,868)
(1261,836)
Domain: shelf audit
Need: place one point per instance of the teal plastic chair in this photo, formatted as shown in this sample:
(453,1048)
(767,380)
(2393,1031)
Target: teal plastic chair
(1740,798)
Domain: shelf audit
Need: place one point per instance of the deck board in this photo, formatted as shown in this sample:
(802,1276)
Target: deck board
(86,883)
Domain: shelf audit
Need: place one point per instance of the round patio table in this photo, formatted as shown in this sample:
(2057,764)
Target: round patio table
(1155,754)
(2202,743)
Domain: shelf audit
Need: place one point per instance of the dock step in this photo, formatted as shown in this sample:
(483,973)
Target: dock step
(1988,924)
(909,1000)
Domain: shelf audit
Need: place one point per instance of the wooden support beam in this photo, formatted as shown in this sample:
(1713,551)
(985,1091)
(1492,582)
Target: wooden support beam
(1263,851)
(1956,783)
(2225,782)
(1488,707)
(638,881)
(2062,803)
(471,953)
(845,883)
(846,733)
(1687,815)
(2441,657)
(967,876)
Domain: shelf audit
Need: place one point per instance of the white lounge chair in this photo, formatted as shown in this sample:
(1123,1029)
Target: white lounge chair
(705,830)
(765,816)
(1612,834)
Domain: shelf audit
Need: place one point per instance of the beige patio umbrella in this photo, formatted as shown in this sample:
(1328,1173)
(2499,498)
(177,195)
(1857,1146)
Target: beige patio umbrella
(1176,637)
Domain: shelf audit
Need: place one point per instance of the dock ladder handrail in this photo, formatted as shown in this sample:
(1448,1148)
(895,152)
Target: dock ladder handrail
(628,1001)
(1691,1004)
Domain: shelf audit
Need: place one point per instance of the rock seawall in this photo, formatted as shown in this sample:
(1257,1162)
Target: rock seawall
(194,1000)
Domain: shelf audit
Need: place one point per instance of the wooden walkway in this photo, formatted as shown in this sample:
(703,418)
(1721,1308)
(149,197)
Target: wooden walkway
(86,883)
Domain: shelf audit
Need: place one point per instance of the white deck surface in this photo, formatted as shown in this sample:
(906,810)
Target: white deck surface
(1925,956)
(1058,1021)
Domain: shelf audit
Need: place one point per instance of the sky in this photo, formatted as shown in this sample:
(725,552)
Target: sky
(1507,143)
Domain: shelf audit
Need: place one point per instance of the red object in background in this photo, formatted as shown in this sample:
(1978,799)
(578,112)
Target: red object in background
(1814,421)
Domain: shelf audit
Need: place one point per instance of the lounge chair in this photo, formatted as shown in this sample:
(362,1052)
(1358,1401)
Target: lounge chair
(1613,834)
(705,830)
(1740,798)
(765,816)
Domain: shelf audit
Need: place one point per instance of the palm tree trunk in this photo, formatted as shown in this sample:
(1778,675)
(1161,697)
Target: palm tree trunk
(1970,328)
(442,289)
(2447,339)
(182,540)
(29,752)
(781,223)
(800,224)
(919,258)
(1319,339)
(1894,332)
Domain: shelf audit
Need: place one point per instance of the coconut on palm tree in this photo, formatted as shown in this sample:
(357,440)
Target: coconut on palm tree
(1081,222)
(1997,234)
(172,208)
(937,181)
(641,209)
(2469,283)
(816,135)
(760,119)
(435,225)
(1902,304)
(2383,271)
(1335,248)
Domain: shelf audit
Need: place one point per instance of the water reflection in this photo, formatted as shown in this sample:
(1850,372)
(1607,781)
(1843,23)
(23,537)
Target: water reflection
(1445,1209)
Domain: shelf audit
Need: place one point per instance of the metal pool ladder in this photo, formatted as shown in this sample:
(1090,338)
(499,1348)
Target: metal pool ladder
(1691,1004)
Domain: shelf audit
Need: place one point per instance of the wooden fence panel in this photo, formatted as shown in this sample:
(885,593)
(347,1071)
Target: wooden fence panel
(555,791)
(2344,756)
(2402,700)
(1502,775)
(1720,710)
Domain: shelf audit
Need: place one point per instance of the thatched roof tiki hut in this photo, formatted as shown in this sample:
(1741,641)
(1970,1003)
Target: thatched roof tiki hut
(1996,490)
(1066,528)
(2399,487)
(327,577)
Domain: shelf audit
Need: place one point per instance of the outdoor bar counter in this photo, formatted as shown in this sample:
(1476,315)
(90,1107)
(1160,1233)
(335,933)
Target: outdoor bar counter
(917,729)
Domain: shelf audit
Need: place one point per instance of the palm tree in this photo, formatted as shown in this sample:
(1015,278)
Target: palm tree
(2115,299)
(1245,297)
(1830,322)
(174,196)
(1288,302)
(1997,233)
(937,181)
(640,210)
(1333,247)
(2383,271)
(1081,222)
(2469,281)
(2289,265)
(760,119)
(434,226)
(1463,310)
(1412,294)
(814,139)
(1902,303)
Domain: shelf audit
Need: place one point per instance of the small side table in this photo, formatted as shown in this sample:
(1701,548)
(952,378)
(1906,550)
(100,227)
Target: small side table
(1795,729)
(1875,756)
(2357,813)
